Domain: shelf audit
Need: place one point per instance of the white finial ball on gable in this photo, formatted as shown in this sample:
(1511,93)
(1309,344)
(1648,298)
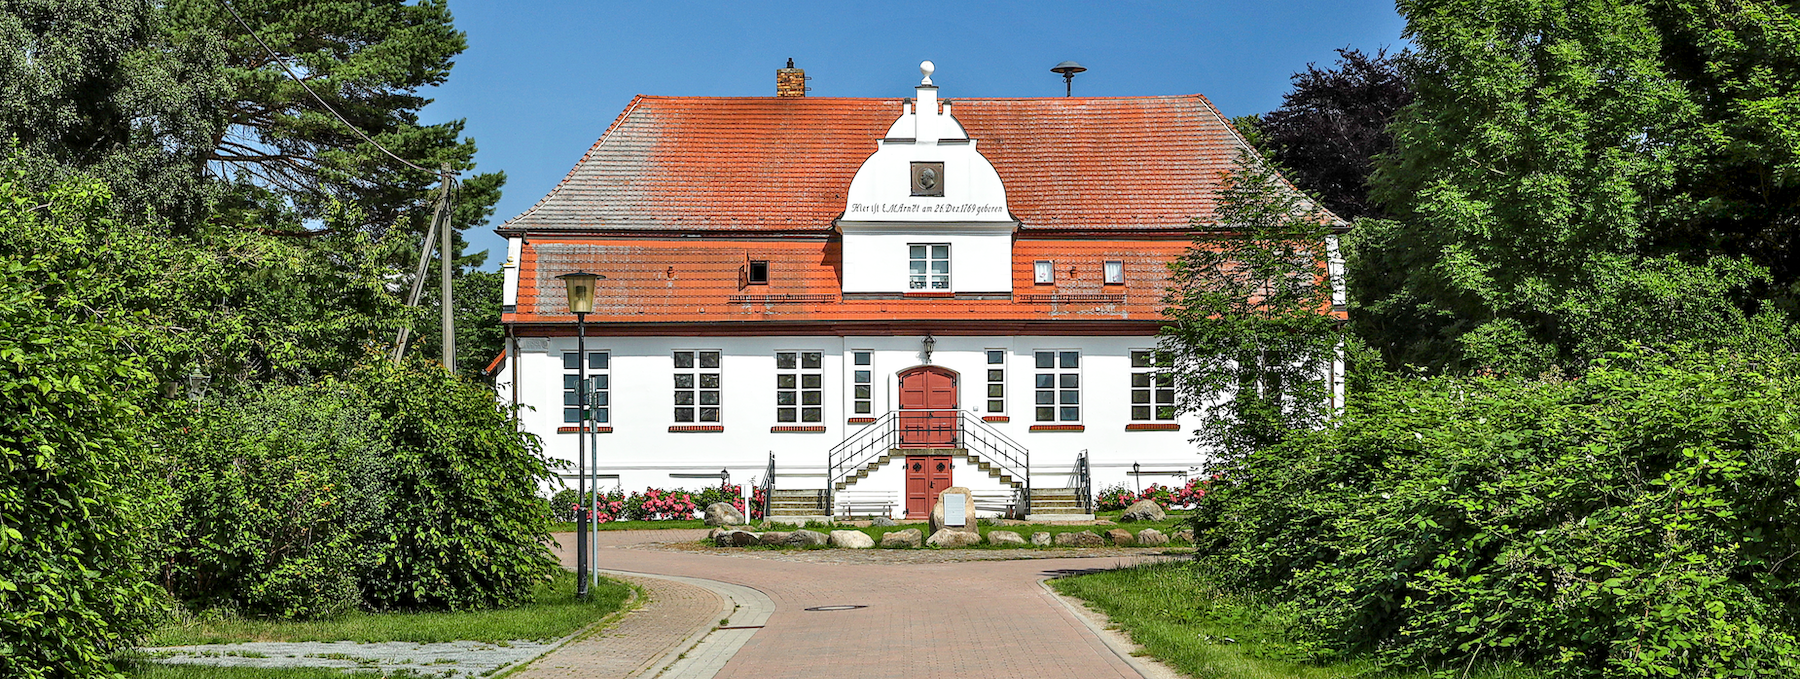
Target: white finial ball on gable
(925,68)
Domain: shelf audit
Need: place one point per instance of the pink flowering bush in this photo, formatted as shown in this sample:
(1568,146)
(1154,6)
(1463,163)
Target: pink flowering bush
(1114,497)
(1190,494)
(664,505)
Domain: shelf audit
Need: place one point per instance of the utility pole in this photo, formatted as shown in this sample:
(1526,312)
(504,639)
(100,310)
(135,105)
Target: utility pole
(438,226)
(445,255)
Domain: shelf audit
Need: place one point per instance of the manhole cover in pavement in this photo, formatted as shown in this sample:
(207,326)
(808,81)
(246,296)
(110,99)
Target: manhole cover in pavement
(839,607)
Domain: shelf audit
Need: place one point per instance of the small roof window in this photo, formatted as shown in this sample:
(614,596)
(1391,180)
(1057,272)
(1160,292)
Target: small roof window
(1115,272)
(759,272)
(1042,272)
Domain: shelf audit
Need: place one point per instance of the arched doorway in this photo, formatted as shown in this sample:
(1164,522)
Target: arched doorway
(928,415)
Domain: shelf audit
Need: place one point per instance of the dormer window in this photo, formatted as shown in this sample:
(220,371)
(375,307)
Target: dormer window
(759,273)
(1043,272)
(1115,273)
(928,264)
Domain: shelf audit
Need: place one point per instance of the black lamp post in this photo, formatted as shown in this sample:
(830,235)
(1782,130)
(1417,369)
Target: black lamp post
(1068,69)
(580,286)
(1137,476)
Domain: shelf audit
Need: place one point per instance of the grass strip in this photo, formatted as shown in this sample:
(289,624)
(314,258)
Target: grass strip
(150,670)
(635,525)
(553,614)
(1182,619)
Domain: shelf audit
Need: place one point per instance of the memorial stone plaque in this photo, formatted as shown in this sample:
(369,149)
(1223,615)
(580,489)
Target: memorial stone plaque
(955,513)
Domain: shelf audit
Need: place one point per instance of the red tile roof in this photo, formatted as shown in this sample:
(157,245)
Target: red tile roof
(700,281)
(784,164)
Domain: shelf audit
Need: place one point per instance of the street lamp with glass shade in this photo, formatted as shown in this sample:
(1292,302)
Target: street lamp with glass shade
(580,288)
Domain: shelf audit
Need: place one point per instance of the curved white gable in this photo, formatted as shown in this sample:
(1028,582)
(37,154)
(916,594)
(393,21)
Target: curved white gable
(882,219)
(882,188)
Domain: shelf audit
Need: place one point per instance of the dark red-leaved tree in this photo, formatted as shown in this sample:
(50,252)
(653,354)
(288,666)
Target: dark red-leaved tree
(1332,125)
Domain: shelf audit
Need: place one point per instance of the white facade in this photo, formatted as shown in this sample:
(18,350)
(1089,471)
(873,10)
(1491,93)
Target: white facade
(641,451)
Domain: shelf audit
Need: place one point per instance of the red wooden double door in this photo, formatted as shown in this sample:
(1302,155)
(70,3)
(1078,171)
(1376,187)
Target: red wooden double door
(928,420)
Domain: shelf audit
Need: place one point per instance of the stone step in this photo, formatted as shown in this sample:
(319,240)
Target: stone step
(1040,509)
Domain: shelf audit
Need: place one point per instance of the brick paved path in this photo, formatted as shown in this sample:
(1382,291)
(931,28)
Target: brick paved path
(642,640)
(972,619)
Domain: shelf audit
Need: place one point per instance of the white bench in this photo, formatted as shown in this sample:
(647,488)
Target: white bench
(866,503)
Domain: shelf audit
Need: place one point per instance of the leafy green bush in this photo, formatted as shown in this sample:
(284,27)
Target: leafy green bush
(401,487)
(466,526)
(1636,521)
(73,586)
(277,489)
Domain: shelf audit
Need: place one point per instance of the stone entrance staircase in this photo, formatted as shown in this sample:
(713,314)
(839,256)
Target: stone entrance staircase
(992,470)
(1057,504)
(798,506)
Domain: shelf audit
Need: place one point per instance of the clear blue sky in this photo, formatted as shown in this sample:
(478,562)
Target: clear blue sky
(541,80)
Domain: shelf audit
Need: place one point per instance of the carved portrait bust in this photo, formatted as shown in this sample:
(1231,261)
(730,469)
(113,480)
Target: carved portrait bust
(927,179)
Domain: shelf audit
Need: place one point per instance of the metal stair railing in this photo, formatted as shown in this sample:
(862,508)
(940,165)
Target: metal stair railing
(983,440)
(849,455)
(768,486)
(1084,483)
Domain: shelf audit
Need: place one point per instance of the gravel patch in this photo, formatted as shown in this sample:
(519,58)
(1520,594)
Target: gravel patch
(452,658)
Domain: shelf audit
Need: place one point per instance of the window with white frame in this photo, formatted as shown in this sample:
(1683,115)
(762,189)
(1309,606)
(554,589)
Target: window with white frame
(1058,382)
(1152,386)
(928,266)
(996,381)
(598,387)
(697,391)
(1043,272)
(862,380)
(799,386)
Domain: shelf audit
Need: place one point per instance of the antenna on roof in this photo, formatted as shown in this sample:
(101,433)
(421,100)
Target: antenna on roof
(1068,69)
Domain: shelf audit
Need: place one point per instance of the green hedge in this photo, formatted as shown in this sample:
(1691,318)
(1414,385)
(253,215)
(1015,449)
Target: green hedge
(1636,521)
(401,487)
(73,501)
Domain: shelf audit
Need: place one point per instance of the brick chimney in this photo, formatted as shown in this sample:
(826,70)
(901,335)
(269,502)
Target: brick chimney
(790,81)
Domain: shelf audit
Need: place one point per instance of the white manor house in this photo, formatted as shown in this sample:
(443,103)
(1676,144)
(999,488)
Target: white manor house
(876,299)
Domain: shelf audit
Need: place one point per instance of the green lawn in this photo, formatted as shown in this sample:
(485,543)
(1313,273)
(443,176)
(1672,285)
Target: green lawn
(149,670)
(634,525)
(1181,619)
(554,614)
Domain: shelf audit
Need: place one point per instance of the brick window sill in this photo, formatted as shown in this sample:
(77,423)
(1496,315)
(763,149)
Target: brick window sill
(702,429)
(995,418)
(591,430)
(1147,426)
(1059,427)
(861,420)
(797,430)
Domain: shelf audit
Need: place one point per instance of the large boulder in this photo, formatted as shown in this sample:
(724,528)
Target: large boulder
(721,514)
(1005,537)
(1041,538)
(736,538)
(1151,537)
(950,538)
(1143,510)
(775,538)
(1079,539)
(1120,537)
(937,510)
(1183,536)
(910,537)
(851,539)
(884,522)
(807,538)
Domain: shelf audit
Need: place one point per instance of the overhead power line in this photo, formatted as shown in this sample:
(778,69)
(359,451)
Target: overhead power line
(440,218)
(309,89)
